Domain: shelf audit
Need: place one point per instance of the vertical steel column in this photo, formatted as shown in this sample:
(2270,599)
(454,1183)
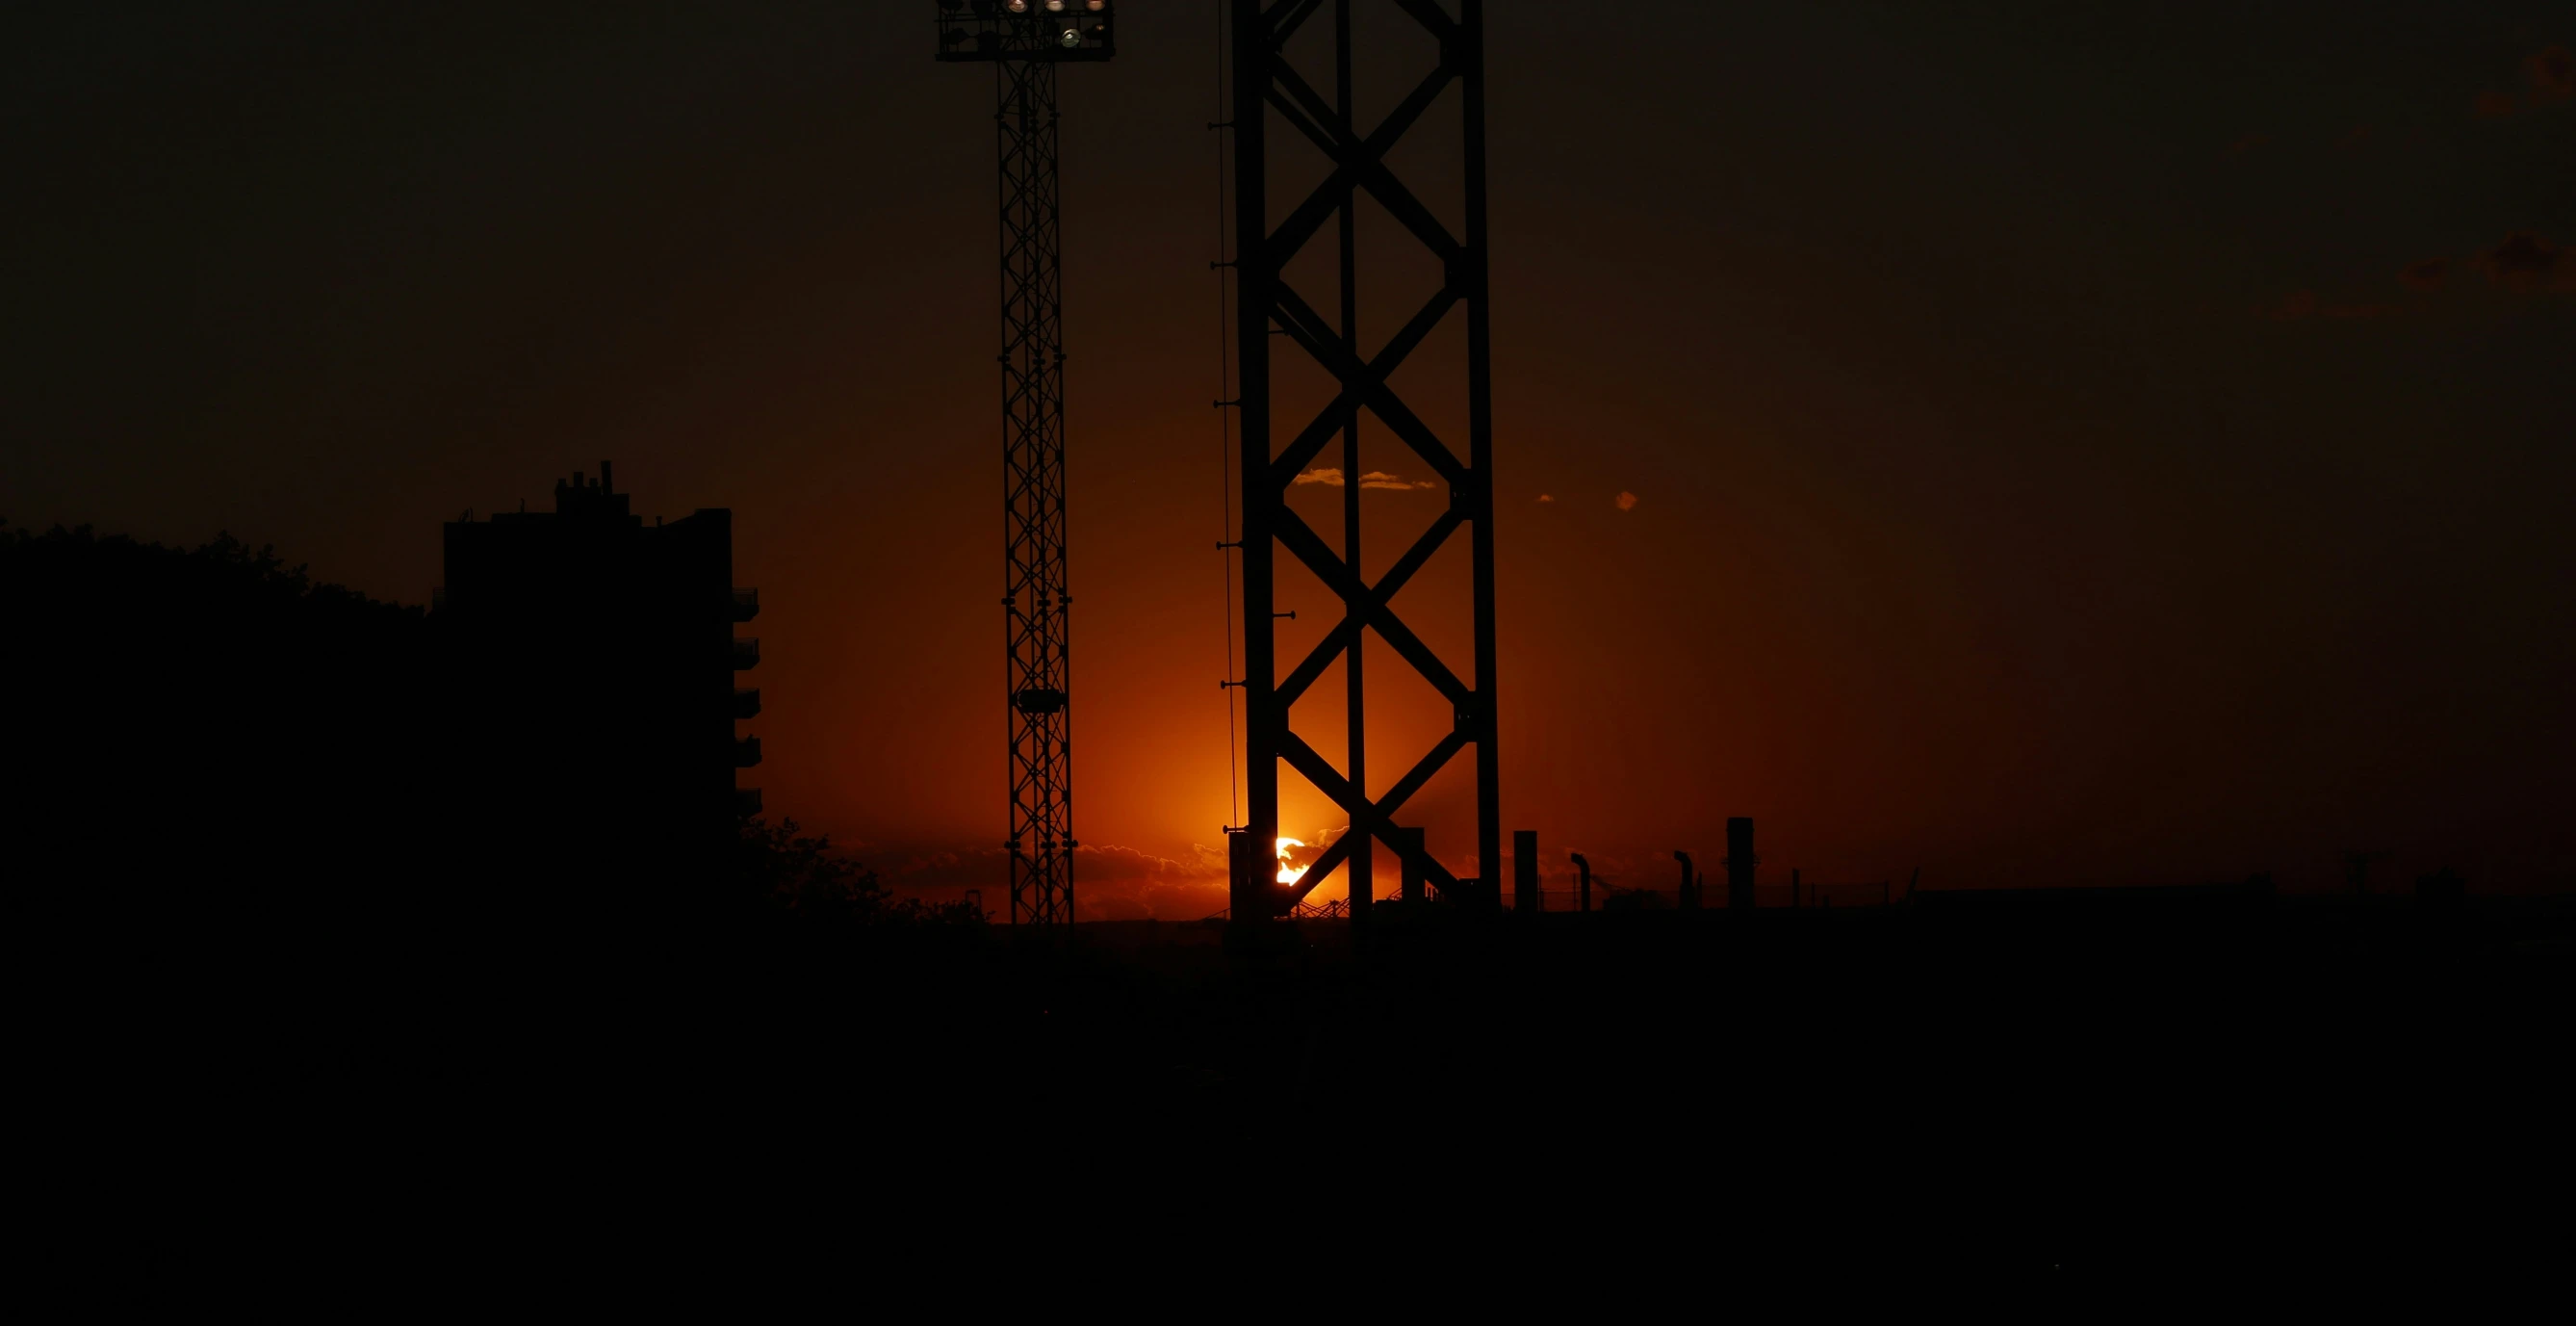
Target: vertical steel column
(1363,863)
(1266,82)
(1256,272)
(1480,446)
(1036,602)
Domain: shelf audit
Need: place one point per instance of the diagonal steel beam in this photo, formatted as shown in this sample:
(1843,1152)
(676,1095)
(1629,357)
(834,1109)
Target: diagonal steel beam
(1330,196)
(1375,373)
(1310,548)
(1369,819)
(1371,170)
(1286,17)
(1297,318)
(1312,670)
(1433,17)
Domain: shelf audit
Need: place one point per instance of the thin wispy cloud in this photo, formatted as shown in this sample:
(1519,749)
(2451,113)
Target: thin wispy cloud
(1547,497)
(1334,478)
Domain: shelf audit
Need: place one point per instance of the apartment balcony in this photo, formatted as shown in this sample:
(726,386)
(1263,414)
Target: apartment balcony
(746,801)
(746,752)
(746,604)
(746,702)
(746,653)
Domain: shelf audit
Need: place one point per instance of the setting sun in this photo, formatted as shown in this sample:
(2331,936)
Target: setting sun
(1289,874)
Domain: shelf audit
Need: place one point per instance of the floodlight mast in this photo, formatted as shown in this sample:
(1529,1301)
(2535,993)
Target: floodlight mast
(1025,40)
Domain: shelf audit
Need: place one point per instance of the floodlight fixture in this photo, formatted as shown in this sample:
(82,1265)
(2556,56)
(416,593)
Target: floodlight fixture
(1052,31)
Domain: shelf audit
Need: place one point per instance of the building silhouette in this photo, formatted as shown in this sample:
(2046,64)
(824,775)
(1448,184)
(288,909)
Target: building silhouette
(593,667)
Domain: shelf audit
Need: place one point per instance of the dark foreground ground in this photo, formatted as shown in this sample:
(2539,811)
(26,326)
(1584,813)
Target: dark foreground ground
(2041,1077)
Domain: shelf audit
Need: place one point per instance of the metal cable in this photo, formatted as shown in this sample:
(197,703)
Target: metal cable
(1225,427)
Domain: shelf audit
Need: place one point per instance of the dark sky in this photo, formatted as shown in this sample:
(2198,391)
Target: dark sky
(2067,443)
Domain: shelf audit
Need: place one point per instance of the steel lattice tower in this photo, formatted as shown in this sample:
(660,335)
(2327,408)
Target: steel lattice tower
(1025,47)
(1267,84)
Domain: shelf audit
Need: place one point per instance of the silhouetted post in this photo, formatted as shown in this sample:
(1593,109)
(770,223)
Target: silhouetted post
(1411,850)
(1689,900)
(1525,872)
(1243,892)
(1583,877)
(1739,864)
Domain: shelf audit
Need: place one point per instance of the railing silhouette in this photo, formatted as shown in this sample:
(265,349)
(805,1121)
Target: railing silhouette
(1768,897)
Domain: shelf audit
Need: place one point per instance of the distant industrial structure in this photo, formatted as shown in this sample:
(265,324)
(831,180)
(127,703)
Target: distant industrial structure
(593,663)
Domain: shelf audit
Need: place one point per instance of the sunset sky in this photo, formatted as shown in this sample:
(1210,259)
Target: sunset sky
(2038,443)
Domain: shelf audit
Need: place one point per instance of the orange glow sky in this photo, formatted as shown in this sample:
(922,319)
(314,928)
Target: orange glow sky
(2062,449)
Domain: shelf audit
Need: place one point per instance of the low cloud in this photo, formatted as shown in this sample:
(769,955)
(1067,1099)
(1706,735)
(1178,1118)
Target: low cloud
(1547,497)
(2525,261)
(2430,274)
(1110,883)
(2552,74)
(1627,501)
(1330,478)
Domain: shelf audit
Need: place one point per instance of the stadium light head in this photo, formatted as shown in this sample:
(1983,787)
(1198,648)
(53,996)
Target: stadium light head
(1016,30)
